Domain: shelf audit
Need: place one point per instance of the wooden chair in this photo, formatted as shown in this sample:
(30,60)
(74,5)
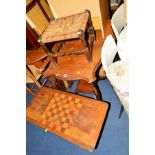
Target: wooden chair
(66,28)
(36,61)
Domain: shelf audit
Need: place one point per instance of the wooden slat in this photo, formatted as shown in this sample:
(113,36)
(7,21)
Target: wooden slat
(30,6)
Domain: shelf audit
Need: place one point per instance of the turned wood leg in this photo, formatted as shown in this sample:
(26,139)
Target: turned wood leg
(81,34)
(95,90)
(91,30)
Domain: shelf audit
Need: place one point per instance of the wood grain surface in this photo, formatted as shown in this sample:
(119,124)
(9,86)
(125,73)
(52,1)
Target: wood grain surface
(33,56)
(76,67)
(75,118)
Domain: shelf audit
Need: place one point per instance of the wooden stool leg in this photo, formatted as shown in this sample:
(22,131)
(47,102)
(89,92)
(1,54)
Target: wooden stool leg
(53,60)
(91,31)
(81,34)
(95,91)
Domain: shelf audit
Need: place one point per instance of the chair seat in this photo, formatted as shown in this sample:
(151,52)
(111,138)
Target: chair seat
(65,28)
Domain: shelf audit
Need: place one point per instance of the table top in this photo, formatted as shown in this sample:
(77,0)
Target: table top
(75,118)
(122,45)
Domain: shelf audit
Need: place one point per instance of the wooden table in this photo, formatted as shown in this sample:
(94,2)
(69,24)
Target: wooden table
(75,118)
(76,67)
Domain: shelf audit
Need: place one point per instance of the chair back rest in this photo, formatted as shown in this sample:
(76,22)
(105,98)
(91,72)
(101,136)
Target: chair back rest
(109,50)
(118,20)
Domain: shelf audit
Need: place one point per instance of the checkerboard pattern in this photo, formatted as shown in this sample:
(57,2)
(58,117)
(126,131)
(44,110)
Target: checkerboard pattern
(61,111)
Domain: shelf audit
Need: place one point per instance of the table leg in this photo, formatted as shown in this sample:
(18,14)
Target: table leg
(91,31)
(85,87)
(95,90)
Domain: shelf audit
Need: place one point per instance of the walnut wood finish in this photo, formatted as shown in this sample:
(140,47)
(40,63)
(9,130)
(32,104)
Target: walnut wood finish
(33,56)
(36,62)
(83,86)
(76,67)
(75,118)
